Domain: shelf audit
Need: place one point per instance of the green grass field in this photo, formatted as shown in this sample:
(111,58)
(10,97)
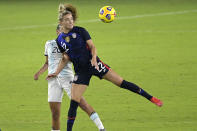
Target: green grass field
(152,43)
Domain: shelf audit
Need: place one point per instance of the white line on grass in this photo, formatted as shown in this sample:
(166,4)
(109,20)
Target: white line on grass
(164,31)
(97,20)
(157,14)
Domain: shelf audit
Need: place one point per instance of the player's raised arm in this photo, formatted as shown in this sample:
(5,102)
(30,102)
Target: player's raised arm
(61,65)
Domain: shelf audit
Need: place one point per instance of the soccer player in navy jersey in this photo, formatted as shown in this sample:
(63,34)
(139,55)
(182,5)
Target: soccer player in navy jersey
(76,45)
(61,83)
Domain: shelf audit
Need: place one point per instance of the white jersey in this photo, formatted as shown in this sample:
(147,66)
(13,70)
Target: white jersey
(54,57)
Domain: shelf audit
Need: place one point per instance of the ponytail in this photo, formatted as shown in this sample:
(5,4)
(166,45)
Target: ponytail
(65,9)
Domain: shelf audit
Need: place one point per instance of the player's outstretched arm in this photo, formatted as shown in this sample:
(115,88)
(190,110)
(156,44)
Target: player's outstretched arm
(42,69)
(61,65)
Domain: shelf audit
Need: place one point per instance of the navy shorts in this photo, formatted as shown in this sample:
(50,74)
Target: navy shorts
(84,77)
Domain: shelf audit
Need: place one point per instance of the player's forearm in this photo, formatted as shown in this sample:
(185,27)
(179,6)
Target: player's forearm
(43,69)
(92,48)
(62,64)
(93,51)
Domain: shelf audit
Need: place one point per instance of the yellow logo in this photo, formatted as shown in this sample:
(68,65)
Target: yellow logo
(67,39)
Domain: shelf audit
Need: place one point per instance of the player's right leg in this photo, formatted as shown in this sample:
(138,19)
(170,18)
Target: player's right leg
(119,81)
(55,94)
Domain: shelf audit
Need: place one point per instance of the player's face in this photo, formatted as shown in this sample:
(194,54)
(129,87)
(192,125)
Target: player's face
(67,22)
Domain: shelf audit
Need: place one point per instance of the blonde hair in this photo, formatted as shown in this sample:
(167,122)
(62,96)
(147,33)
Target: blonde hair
(65,9)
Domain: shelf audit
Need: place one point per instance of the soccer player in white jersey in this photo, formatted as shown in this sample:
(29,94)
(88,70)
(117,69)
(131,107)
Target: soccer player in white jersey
(57,85)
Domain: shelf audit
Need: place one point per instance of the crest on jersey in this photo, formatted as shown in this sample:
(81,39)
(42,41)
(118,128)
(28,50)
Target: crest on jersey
(74,35)
(67,39)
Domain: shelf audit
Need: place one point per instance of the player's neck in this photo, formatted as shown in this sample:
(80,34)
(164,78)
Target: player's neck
(66,30)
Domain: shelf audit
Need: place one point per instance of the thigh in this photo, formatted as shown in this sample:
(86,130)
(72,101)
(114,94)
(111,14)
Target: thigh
(103,69)
(82,78)
(55,91)
(113,77)
(77,91)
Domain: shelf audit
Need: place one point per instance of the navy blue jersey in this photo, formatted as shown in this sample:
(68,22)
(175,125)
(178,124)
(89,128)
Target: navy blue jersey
(74,44)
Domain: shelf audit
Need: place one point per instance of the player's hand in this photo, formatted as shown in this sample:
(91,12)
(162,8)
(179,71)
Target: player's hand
(94,63)
(36,76)
(51,76)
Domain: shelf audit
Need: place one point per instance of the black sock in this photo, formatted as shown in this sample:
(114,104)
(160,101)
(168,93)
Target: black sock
(72,114)
(134,88)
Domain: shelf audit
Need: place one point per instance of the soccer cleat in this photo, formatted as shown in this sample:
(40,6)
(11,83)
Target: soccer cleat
(102,130)
(156,101)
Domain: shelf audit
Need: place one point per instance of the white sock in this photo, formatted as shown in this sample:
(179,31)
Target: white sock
(55,130)
(95,118)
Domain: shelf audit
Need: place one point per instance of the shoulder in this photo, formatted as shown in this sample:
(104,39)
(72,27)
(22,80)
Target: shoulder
(79,29)
(82,32)
(59,37)
(49,42)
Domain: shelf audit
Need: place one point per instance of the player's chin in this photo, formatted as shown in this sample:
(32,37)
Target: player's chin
(71,26)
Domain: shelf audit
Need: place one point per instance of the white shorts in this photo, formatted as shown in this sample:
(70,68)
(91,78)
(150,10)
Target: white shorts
(56,87)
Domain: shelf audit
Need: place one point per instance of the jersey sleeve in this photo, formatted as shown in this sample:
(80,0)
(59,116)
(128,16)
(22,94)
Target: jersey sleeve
(58,41)
(46,49)
(85,34)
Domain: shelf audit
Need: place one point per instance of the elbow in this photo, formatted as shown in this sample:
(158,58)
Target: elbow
(65,58)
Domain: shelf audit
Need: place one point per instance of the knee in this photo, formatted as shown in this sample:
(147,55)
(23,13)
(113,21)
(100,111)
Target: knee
(117,82)
(83,106)
(75,97)
(113,77)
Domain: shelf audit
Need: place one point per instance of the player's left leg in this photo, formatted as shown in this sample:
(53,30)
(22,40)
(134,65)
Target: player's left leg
(119,81)
(55,111)
(66,84)
(55,94)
